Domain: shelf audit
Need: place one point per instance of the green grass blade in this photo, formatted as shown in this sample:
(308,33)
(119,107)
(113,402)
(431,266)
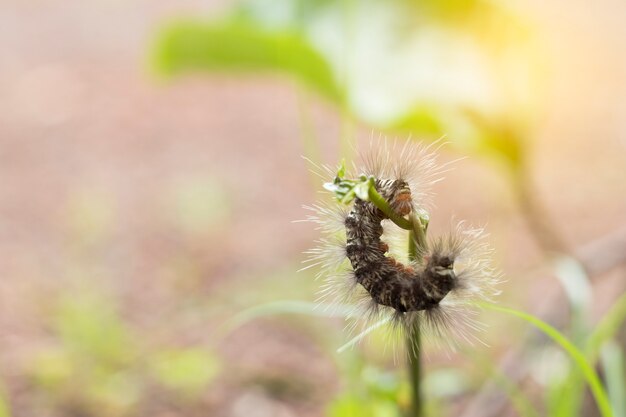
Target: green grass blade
(575,354)
(577,287)
(613,365)
(286,307)
(356,339)
(606,328)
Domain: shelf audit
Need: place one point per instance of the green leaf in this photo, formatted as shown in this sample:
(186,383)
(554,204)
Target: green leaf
(341,172)
(362,189)
(421,120)
(575,354)
(241,45)
(347,189)
(468,129)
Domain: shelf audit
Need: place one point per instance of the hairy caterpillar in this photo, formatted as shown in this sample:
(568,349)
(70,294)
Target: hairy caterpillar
(435,291)
(390,283)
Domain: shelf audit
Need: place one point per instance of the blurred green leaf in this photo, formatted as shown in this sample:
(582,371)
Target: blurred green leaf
(575,282)
(242,45)
(381,383)
(188,371)
(90,326)
(349,405)
(478,133)
(615,372)
(496,137)
(53,368)
(452,9)
(5,410)
(422,120)
(575,354)
(117,392)
(566,396)
(606,328)
(445,382)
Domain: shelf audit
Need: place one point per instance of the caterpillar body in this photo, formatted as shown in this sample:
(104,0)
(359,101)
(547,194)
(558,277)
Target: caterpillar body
(435,292)
(390,283)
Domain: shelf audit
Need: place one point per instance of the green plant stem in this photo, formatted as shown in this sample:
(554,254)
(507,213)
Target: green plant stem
(414,364)
(418,237)
(417,245)
(384,206)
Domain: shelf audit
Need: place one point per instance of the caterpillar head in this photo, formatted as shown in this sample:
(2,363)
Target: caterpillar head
(440,269)
(399,196)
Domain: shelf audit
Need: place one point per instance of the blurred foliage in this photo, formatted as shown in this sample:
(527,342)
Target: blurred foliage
(614,367)
(428,68)
(90,329)
(239,45)
(372,391)
(187,371)
(377,392)
(577,357)
(99,365)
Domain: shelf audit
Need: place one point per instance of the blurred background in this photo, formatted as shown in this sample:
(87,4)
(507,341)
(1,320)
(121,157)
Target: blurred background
(151,170)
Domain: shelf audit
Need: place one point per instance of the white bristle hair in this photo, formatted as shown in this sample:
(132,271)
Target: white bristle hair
(455,320)
(411,162)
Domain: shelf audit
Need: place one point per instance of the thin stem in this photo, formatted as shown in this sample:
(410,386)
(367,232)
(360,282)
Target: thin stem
(384,206)
(417,246)
(414,364)
(418,235)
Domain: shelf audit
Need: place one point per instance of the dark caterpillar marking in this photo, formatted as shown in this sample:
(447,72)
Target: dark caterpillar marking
(390,283)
